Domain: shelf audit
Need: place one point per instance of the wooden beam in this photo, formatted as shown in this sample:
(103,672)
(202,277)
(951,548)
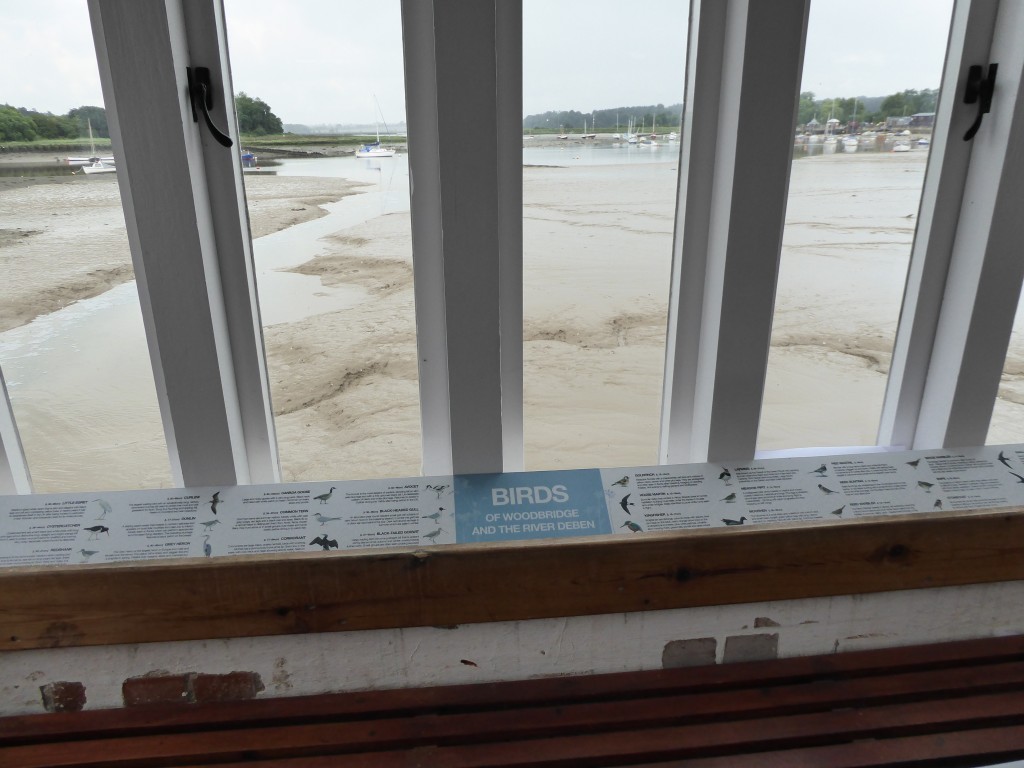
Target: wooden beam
(445,585)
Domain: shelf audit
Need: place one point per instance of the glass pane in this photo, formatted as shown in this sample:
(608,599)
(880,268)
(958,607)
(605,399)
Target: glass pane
(862,140)
(331,231)
(72,345)
(600,153)
(1007,425)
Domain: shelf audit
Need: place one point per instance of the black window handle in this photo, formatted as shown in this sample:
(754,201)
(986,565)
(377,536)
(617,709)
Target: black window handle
(200,92)
(979,89)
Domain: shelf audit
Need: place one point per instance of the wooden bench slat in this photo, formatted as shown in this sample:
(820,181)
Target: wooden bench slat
(481,735)
(817,711)
(611,687)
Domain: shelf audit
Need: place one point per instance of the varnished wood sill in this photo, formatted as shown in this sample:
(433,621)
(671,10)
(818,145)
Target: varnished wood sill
(47,607)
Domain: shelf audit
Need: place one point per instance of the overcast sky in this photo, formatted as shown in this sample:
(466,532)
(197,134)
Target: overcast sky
(322,61)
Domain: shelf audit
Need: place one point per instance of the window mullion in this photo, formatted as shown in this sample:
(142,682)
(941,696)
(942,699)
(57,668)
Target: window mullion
(743,76)
(509,88)
(970,40)
(171,214)
(451,72)
(14,474)
(985,269)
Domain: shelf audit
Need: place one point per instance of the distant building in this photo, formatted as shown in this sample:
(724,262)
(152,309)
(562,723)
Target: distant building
(922,120)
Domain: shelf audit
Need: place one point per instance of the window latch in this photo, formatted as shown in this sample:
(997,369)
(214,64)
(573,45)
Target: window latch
(200,93)
(979,90)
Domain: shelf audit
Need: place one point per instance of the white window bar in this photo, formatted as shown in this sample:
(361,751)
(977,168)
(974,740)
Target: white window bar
(459,219)
(509,52)
(965,271)
(14,474)
(187,231)
(744,62)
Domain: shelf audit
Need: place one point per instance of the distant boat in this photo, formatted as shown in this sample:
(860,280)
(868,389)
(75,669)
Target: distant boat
(99,166)
(561,132)
(924,142)
(850,144)
(92,159)
(585,134)
(376,149)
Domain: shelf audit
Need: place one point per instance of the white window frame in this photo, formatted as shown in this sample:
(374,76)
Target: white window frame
(745,58)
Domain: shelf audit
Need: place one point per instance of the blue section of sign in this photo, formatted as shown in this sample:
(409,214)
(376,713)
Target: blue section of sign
(529,505)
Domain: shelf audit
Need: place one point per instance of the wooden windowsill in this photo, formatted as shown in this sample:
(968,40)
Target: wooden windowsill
(49,607)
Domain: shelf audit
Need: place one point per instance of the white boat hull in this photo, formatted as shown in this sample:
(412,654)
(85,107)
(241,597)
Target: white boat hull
(98,167)
(375,153)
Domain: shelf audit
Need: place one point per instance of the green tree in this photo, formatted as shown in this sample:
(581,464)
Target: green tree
(49,126)
(808,108)
(14,126)
(86,116)
(255,117)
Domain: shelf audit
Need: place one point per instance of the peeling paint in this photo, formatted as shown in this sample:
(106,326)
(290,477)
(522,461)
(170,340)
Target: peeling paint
(281,679)
(325,662)
(764,621)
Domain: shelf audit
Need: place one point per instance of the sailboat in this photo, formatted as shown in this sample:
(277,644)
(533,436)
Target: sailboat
(585,134)
(851,142)
(97,164)
(375,149)
(831,142)
(94,163)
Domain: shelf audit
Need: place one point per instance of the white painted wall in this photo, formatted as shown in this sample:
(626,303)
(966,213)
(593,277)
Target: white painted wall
(349,661)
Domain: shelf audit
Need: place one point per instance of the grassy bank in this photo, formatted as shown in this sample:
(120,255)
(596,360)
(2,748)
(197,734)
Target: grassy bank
(287,143)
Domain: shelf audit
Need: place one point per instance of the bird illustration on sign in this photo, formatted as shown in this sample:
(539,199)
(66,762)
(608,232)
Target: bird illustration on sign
(433,535)
(96,530)
(324,519)
(325,543)
(324,497)
(438,489)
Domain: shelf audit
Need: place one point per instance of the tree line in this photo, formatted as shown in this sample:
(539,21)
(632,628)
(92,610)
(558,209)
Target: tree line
(866,110)
(19,124)
(616,118)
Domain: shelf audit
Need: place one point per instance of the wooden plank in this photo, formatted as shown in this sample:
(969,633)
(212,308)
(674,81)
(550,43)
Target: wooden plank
(968,655)
(745,719)
(48,607)
(986,744)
